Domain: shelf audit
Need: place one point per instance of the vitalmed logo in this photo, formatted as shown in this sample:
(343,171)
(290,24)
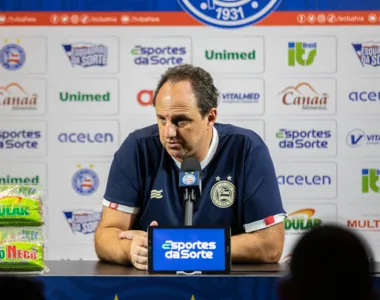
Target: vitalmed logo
(305,96)
(14,96)
(301,220)
(83,221)
(159,55)
(370,181)
(303,139)
(189,250)
(240,97)
(86,55)
(301,53)
(357,138)
(368,53)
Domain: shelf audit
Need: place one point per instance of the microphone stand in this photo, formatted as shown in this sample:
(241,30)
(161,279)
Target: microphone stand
(189,204)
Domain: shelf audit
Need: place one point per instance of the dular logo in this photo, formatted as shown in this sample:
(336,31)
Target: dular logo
(305,96)
(15,97)
(301,220)
(229,13)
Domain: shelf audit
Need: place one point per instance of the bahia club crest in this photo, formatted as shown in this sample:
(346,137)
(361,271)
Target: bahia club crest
(229,13)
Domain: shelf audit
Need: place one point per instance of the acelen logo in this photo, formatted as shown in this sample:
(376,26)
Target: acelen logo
(303,180)
(155,55)
(305,96)
(364,96)
(81,137)
(145,97)
(16,97)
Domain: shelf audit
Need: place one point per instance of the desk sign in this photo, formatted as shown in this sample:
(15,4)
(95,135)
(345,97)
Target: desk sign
(189,250)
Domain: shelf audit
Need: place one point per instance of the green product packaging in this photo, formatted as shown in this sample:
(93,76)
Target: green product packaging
(21,206)
(22,249)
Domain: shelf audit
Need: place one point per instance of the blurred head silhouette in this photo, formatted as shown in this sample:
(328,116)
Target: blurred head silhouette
(329,262)
(23,288)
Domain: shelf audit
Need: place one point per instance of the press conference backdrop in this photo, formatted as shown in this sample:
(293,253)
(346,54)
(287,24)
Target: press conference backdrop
(305,76)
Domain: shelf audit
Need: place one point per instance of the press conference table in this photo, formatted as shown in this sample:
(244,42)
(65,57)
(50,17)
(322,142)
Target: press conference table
(96,280)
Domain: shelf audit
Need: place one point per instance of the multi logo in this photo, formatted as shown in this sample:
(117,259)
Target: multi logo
(86,55)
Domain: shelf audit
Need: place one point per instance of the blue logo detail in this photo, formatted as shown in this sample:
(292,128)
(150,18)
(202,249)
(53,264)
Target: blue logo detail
(87,55)
(358,137)
(303,139)
(368,53)
(229,13)
(12,57)
(80,137)
(188,179)
(85,182)
(364,96)
(19,139)
(83,221)
(164,56)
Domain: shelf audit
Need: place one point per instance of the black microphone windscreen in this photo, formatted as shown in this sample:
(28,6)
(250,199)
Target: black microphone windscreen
(191,164)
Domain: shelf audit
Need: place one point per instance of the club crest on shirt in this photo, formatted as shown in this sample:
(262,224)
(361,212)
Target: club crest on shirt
(223,192)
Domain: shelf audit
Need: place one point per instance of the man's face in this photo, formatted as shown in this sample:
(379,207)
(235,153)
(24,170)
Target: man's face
(183,131)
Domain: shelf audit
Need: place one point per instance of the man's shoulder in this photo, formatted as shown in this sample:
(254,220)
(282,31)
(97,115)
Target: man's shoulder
(146,133)
(142,139)
(238,134)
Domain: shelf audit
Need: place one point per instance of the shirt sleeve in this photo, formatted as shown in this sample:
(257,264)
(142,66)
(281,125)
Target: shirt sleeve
(262,199)
(124,179)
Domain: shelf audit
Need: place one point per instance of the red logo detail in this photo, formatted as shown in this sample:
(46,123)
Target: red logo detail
(113,205)
(145,97)
(269,220)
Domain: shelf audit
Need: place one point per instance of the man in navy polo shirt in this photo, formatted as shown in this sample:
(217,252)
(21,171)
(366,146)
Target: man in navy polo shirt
(239,185)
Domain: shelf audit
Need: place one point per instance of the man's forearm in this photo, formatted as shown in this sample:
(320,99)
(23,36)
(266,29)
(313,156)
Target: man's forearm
(258,247)
(110,247)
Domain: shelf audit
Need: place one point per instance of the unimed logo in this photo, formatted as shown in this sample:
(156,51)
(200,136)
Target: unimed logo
(189,250)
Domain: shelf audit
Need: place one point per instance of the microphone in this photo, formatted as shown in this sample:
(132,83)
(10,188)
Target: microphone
(190,184)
